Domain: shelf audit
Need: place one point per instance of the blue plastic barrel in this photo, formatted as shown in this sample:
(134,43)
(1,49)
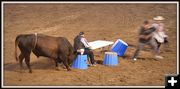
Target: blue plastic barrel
(80,62)
(119,47)
(110,59)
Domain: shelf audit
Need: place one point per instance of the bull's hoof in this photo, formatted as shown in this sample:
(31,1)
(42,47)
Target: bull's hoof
(68,69)
(57,68)
(30,71)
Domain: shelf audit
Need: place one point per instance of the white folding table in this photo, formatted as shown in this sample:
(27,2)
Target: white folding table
(100,44)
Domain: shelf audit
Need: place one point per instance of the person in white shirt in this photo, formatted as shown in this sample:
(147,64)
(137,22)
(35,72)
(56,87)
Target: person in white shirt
(80,42)
(159,35)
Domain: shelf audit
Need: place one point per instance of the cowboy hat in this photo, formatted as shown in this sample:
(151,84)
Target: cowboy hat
(158,18)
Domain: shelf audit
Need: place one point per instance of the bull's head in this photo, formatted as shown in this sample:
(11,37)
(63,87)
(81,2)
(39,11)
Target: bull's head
(72,57)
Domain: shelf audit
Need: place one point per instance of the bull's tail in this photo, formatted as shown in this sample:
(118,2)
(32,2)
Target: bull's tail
(16,44)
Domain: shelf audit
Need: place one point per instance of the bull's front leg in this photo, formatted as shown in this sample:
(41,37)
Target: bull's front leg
(67,66)
(56,64)
(65,62)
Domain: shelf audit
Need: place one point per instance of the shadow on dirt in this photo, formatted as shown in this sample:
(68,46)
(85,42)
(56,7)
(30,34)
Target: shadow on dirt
(147,58)
(99,61)
(42,64)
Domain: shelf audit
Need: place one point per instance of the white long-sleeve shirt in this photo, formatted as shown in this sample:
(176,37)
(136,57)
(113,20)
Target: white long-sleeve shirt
(84,41)
(159,27)
(159,34)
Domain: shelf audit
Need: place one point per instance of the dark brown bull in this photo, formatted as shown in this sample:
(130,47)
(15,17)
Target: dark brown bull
(57,48)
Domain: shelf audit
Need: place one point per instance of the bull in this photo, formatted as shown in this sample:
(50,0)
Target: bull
(57,48)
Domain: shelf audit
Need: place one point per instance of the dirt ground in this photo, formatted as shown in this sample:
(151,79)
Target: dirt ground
(98,21)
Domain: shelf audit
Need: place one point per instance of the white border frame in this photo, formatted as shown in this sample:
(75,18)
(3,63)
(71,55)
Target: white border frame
(85,2)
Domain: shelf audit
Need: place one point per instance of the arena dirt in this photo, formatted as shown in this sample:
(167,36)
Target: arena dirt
(98,21)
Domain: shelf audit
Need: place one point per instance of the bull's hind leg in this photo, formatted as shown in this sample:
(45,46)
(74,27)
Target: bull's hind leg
(65,62)
(21,57)
(27,60)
